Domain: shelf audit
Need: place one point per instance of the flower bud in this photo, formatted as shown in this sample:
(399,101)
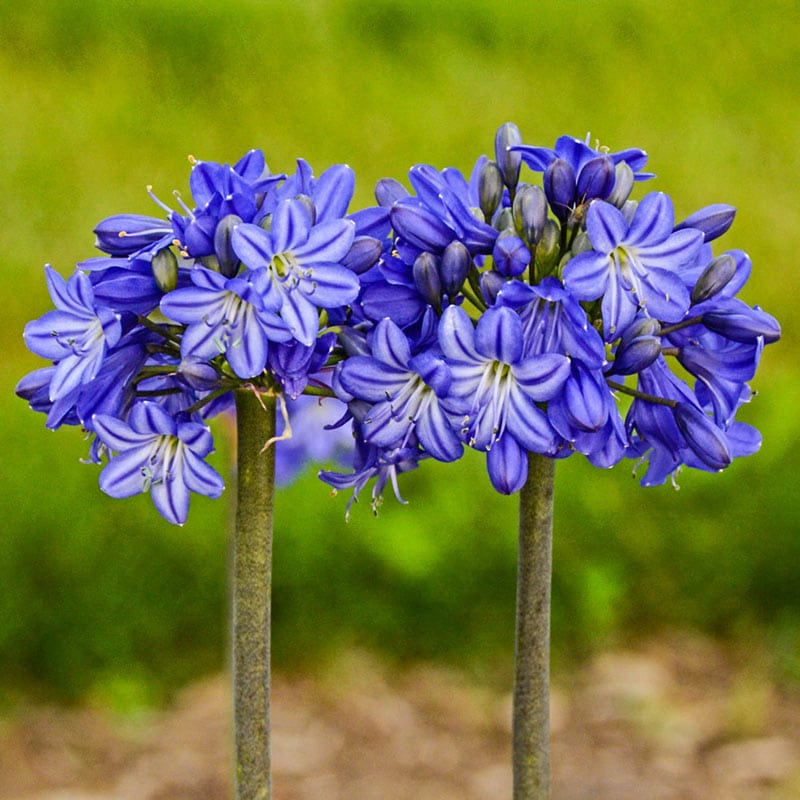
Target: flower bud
(715,277)
(454,267)
(623,185)
(491,283)
(743,324)
(559,186)
(228,260)
(511,255)
(490,188)
(200,375)
(639,347)
(596,178)
(388,191)
(712,220)
(364,253)
(508,135)
(165,269)
(702,436)
(548,249)
(353,341)
(530,213)
(427,280)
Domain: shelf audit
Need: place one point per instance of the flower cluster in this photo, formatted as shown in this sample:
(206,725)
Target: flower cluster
(240,291)
(547,317)
(507,316)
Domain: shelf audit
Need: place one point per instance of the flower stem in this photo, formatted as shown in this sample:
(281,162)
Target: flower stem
(531,721)
(252,585)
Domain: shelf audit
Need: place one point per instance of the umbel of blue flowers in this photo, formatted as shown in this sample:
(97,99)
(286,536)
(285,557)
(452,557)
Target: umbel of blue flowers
(539,315)
(548,317)
(240,290)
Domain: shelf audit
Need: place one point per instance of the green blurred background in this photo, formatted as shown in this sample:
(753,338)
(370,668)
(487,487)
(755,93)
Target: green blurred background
(101,601)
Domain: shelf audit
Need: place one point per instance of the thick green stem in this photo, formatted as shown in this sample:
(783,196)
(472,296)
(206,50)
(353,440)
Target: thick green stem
(252,586)
(531,722)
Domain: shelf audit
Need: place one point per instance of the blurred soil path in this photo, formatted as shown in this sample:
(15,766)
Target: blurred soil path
(671,720)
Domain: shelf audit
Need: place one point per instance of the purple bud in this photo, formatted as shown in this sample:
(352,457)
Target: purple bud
(559,186)
(165,269)
(491,283)
(716,276)
(427,280)
(200,375)
(712,220)
(454,267)
(743,324)
(388,191)
(639,347)
(511,255)
(363,254)
(508,135)
(596,178)
(530,212)
(490,188)
(354,342)
(228,260)
(702,436)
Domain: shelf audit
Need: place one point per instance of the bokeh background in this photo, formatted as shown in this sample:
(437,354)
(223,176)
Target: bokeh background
(101,601)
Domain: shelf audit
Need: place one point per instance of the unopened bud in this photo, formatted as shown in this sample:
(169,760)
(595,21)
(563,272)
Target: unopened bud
(530,213)
(490,188)
(704,438)
(712,220)
(559,186)
(165,269)
(715,277)
(596,178)
(511,255)
(427,280)
(508,135)
(364,253)
(388,191)
(228,260)
(491,283)
(639,347)
(454,267)
(548,249)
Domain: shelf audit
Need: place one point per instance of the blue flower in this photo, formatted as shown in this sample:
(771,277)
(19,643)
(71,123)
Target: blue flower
(302,262)
(76,335)
(634,265)
(408,393)
(158,454)
(500,388)
(227,316)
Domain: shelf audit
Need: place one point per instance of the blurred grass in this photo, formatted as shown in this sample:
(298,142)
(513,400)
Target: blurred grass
(101,599)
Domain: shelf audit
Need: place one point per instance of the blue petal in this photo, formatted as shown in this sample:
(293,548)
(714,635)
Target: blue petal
(327,243)
(248,349)
(171,499)
(437,435)
(587,275)
(331,285)
(498,335)
(333,192)
(368,379)
(253,245)
(290,227)
(653,220)
(541,377)
(118,435)
(151,417)
(606,226)
(421,227)
(301,315)
(123,476)
(457,336)
(390,345)
(528,423)
(201,477)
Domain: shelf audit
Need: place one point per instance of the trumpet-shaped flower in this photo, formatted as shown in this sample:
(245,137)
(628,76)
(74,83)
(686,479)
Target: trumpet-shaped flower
(159,454)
